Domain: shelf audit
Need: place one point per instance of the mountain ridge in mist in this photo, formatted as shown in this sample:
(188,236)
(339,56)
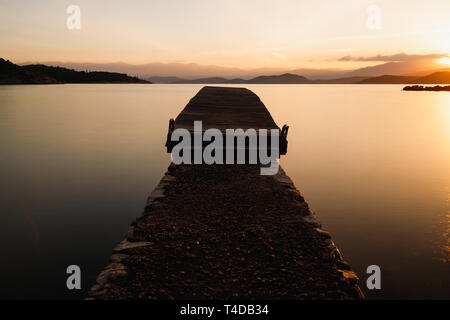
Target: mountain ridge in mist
(179,71)
(61,74)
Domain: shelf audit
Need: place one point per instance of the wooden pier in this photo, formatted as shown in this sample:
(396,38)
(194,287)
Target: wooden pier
(225,108)
(226,231)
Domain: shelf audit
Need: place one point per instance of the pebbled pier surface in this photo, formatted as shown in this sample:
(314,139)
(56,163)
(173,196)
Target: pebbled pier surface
(226,232)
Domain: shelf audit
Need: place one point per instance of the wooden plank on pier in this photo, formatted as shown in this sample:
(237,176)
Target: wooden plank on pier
(225,108)
(225,231)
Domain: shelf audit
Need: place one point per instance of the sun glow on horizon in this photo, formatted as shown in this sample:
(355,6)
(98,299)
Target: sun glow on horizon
(445,60)
(237,34)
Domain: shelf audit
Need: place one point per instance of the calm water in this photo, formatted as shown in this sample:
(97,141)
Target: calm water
(78,161)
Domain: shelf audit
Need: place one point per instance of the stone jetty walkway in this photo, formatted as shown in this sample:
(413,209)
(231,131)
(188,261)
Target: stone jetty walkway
(226,231)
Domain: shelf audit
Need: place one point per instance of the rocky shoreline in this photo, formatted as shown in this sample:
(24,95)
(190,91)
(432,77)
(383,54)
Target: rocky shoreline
(226,232)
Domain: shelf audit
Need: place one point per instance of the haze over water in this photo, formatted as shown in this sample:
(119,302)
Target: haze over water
(78,161)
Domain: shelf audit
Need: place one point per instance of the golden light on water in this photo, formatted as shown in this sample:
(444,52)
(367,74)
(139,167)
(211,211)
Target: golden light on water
(446,234)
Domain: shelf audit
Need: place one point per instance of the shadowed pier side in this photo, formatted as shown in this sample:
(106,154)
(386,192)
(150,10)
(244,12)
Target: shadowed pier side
(225,231)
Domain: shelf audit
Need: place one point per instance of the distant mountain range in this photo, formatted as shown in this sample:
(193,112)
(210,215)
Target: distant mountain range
(286,78)
(11,73)
(180,71)
(442,77)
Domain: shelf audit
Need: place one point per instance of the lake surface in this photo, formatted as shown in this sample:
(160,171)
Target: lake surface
(77,163)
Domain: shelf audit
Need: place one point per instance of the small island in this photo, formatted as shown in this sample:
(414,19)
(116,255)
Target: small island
(425,88)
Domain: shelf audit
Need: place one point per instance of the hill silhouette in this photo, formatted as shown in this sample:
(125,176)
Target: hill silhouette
(287,78)
(11,73)
(434,78)
(388,79)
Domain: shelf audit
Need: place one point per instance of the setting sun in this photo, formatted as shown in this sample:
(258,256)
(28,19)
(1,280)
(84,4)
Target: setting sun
(445,60)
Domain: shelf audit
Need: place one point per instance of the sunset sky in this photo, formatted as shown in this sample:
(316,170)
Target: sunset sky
(234,33)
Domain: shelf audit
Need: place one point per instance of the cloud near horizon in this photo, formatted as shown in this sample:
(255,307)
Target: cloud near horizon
(399,57)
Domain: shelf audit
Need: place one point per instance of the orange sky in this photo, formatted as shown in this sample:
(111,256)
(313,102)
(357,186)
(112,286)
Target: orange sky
(244,34)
